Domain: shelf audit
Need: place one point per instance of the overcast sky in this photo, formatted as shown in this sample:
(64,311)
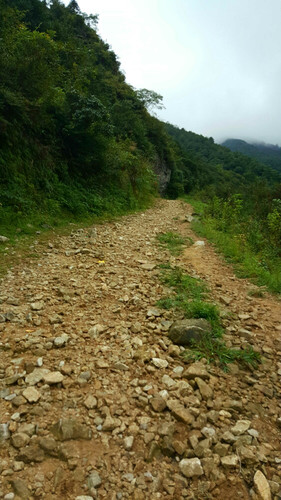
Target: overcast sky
(217,63)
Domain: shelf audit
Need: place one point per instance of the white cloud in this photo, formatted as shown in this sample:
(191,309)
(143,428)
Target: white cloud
(217,63)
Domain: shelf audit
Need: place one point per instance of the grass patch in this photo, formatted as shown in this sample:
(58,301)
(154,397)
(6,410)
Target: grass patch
(173,242)
(215,351)
(190,296)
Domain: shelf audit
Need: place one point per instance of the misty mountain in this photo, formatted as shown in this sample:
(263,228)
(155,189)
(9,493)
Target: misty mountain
(269,154)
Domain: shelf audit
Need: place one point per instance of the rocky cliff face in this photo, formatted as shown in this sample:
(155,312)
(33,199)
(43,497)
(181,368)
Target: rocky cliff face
(163,174)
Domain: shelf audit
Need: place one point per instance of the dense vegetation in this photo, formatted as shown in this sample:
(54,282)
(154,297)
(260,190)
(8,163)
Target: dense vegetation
(269,154)
(75,137)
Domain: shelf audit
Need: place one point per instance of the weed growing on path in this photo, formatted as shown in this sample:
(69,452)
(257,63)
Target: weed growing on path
(190,296)
(173,242)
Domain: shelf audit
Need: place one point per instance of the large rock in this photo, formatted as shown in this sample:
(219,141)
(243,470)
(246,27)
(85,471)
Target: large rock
(189,331)
(68,428)
(261,486)
(191,467)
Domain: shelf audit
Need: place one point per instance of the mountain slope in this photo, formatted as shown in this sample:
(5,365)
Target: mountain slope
(268,154)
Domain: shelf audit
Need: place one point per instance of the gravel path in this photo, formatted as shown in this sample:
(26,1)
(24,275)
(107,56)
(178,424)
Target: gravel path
(95,400)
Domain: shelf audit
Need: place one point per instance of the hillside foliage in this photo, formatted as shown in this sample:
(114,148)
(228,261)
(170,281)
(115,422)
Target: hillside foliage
(75,136)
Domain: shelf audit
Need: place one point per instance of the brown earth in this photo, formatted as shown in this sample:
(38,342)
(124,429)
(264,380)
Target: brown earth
(86,312)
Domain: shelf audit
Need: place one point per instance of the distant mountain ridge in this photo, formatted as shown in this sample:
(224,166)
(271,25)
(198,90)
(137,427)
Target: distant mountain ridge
(269,154)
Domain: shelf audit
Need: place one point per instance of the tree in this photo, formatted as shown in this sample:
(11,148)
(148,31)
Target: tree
(150,99)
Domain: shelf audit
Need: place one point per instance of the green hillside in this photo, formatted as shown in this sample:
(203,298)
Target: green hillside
(75,137)
(268,154)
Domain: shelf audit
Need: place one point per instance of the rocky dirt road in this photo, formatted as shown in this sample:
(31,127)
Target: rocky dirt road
(95,400)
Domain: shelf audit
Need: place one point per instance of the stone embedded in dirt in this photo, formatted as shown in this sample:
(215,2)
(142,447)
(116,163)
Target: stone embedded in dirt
(230,461)
(53,378)
(186,332)
(110,423)
(28,429)
(148,267)
(84,497)
(36,376)
(9,496)
(31,394)
(160,363)
(68,428)
(199,243)
(168,381)
(179,411)
(37,306)
(153,312)
(128,442)
(20,439)
(221,449)
(55,319)
(61,341)
(261,486)
(96,330)
(191,467)
(94,480)
(20,488)
(48,444)
(204,389)
(90,402)
(240,427)
(4,432)
(158,403)
(120,366)
(31,453)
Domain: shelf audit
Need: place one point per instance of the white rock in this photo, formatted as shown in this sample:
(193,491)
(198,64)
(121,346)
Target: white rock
(168,381)
(61,340)
(36,376)
(160,363)
(199,243)
(191,467)
(3,239)
(230,461)
(53,378)
(128,442)
(37,306)
(240,427)
(262,486)
(31,394)
(84,497)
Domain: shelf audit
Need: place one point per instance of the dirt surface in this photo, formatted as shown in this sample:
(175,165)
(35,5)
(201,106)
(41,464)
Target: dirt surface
(95,400)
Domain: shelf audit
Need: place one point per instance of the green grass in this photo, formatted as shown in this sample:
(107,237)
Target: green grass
(173,242)
(191,296)
(215,351)
(262,268)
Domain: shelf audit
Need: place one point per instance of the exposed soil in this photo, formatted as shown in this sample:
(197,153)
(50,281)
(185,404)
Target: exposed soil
(82,321)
